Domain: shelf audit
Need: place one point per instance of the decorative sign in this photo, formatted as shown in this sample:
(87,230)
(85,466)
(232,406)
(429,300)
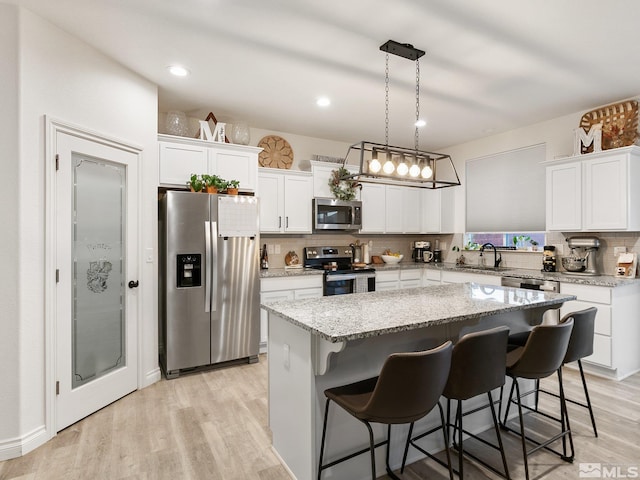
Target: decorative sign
(583,139)
(217,135)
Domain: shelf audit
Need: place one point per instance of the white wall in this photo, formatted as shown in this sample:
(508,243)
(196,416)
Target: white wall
(9,240)
(61,77)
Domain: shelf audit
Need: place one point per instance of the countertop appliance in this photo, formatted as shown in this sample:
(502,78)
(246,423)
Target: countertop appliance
(332,214)
(419,249)
(209,281)
(341,275)
(582,259)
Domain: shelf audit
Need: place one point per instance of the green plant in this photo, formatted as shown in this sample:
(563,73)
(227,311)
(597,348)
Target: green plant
(343,188)
(533,243)
(233,183)
(472,246)
(195,183)
(520,239)
(214,181)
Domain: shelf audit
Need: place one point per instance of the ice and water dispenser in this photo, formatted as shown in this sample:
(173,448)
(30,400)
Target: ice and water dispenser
(189,270)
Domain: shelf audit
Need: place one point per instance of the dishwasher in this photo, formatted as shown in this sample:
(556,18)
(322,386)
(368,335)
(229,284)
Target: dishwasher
(550,316)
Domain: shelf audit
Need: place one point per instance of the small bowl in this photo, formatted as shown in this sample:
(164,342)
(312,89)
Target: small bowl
(391,259)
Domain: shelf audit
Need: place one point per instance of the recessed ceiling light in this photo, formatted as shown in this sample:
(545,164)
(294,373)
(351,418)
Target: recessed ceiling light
(323,102)
(421,123)
(178,70)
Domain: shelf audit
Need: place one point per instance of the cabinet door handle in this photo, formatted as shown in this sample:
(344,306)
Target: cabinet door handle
(279,222)
(287,222)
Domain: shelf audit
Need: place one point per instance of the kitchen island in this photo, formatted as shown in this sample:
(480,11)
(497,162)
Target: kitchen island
(320,343)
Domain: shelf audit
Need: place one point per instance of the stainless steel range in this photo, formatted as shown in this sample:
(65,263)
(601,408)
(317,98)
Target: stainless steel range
(341,275)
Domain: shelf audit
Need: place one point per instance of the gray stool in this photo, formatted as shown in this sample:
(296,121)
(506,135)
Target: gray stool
(477,367)
(541,357)
(408,388)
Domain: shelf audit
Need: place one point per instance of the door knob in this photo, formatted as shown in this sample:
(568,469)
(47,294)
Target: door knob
(133,284)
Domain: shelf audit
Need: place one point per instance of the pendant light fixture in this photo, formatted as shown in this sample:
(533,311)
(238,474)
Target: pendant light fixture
(412,167)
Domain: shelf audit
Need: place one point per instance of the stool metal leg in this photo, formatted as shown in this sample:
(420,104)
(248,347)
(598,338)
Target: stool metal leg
(373,452)
(324,435)
(497,430)
(524,445)
(586,396)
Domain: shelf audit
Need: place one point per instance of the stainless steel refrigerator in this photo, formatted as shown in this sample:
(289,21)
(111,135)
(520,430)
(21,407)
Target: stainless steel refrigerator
(209,283)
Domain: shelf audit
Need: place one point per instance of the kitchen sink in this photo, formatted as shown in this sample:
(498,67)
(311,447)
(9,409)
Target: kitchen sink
(483,268)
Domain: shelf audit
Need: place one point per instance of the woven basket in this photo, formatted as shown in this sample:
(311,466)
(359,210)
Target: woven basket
(619,125)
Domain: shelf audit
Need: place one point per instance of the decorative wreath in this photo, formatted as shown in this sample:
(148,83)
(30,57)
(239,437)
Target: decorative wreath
(343,188)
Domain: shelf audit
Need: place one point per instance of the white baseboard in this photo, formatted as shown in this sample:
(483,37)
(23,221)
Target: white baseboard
(16,447)
(151,377)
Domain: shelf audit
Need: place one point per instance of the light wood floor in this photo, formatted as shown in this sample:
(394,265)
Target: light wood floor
(213,425)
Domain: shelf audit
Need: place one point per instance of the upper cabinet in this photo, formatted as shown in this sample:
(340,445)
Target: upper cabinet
(593,192)
(397,209)
(285,201)
(180,157)
(322,172)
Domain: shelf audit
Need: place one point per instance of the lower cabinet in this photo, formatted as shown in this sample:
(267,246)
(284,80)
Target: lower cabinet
(398,279)
(464,277)
(617,329)
(277,289)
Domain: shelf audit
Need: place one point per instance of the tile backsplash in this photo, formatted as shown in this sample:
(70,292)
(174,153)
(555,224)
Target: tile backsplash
(402,243)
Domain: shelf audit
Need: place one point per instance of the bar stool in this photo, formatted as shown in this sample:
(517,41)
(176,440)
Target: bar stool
(541,356)
(408,388)
(478,366)
(580,346)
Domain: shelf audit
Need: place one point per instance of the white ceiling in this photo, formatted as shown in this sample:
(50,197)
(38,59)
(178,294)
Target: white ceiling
(490,65)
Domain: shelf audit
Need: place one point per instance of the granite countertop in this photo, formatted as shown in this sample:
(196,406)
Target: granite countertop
(597,280)
(348,317)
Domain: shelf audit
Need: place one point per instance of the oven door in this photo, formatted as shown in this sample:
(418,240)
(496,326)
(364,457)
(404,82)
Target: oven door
(339,284)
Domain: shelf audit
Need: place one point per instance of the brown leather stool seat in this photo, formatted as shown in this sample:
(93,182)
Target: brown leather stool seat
(478,366)
(541,357)
(580,346)
(408,388)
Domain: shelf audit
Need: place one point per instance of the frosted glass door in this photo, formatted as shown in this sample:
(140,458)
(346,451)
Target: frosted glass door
(98,343)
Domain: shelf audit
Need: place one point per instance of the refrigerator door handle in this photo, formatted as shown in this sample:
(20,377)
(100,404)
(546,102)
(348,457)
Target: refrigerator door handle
(207,269)
(213,271)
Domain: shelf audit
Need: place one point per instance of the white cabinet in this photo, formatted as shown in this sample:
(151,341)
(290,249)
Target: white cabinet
(285,288)
(285,201)
(398,279)
(431,276)
(374,207)
(437,210)
(564,197)
(394,209)
(410,278)
(464,277)
(387,280)
(179,157)
(322,172)
(594,192)
(617,329)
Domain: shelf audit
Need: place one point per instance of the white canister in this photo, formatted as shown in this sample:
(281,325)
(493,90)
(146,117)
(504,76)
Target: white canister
(366,257)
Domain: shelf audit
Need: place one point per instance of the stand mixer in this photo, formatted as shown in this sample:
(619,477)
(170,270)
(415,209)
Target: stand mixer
(582,260)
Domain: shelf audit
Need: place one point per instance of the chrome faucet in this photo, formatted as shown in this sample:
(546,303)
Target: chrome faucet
(497,257)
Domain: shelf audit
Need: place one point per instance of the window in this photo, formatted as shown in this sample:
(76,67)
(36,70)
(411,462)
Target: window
(527,240)
(505,192)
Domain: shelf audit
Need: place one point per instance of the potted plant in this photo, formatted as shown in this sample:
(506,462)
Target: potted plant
(519,240)
(232,187)
(213,183)
(534,245)
(195,183)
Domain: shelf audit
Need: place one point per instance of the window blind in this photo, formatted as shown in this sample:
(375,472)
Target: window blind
(505,192)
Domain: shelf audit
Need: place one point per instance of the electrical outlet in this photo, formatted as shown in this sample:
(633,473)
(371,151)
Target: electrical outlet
(277,249)
(270,249)
(443,246)
(618,250)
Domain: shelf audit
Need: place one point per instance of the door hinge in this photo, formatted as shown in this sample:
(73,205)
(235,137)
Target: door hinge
(57,387)
(57,162)
(57,276)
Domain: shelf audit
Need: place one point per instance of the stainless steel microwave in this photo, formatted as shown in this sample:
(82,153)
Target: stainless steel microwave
(331,214)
